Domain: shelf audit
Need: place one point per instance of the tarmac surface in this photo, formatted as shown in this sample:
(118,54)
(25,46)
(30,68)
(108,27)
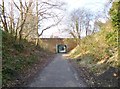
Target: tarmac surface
(59,73)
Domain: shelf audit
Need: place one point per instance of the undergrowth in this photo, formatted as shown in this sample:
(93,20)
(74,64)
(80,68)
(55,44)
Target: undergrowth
(98,51)
(17,58)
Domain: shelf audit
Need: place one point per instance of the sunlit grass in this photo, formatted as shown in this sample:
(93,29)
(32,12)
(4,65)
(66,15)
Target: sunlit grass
(96,52)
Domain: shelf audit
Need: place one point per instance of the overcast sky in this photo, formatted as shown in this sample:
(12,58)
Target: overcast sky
(93,5)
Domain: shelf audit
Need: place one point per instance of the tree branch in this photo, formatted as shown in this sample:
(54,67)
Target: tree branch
(50,27)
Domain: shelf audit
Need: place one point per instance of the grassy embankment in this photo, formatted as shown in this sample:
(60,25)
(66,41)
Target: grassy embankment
(98,51)
(18,59)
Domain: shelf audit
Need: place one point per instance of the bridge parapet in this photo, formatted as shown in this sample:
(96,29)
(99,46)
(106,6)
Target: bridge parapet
(52,42)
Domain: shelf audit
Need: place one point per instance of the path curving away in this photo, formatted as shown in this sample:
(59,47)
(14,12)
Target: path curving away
(58,73)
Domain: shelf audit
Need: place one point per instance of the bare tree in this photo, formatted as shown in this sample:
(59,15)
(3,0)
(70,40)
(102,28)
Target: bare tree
(37,13)
(3,17)
(11,17)
(30,29)
(88,19)
(45,10)
(80,22)
(23,9)
(21,26)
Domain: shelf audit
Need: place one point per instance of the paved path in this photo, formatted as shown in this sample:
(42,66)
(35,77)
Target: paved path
(58,73)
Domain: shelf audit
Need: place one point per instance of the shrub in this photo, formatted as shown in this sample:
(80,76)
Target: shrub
(19,47)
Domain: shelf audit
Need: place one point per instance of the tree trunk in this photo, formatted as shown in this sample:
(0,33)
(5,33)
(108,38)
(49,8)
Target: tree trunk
(37,40)
(4,17)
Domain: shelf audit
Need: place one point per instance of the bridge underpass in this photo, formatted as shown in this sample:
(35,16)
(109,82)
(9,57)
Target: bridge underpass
(52,42)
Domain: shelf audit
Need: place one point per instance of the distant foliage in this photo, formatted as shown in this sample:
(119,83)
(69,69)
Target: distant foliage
(115,14)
